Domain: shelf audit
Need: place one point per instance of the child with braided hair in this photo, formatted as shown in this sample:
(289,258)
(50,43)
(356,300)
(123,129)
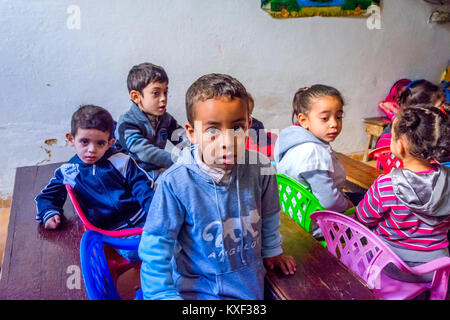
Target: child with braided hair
(409,207)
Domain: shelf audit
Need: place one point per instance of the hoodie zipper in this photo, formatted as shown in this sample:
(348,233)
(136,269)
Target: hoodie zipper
(93,170)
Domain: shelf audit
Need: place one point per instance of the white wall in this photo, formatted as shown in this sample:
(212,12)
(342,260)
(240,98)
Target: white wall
(47,70)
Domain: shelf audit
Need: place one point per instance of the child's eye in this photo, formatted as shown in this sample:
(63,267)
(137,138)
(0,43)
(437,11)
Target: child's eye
(84,141)
(324,118)
(101,143)
(212,132)
(238,128)
(155,94)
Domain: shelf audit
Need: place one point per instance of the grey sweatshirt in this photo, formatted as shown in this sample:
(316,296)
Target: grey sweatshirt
(302,156)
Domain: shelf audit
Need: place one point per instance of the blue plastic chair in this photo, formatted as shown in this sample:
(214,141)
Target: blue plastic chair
(98,281)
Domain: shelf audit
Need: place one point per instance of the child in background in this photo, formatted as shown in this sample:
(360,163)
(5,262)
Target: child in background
(416,92)
(144,129)
(113,191)
(303,150)
(256,124)
(258,134)
(220,211)
(409,207)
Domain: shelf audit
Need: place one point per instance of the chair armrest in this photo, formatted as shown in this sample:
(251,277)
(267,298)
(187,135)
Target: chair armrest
(431,266)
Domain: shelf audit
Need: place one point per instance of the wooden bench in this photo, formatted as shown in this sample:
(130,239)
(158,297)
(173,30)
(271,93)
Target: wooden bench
(44,264)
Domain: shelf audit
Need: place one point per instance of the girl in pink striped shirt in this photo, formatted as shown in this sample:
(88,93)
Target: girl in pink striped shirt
(409,208)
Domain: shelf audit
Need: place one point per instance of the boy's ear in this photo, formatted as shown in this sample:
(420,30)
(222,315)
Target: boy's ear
(70,138)
(111,142)
(135,96)
(303,120)
(250,121)
(190,132)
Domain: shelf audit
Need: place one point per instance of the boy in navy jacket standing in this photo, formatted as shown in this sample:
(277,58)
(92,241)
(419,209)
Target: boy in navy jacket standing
(113,191)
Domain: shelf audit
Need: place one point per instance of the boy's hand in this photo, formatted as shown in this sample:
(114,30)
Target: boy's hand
(53,222)
(285,263)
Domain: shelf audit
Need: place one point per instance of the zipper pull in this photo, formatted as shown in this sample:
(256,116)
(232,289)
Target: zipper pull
(93,170)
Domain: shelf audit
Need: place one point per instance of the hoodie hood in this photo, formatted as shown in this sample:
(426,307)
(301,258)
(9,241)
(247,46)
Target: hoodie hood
(426,195)
(293,136)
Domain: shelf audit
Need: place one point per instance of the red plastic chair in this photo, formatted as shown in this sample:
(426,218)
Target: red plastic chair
(266,150)
(385,159)
(117,264)
(90,226)
(366,255)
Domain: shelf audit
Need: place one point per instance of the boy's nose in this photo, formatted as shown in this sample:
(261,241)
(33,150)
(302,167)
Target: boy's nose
(228,139)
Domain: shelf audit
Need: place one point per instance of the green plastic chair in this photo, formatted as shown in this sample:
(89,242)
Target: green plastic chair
(298,202)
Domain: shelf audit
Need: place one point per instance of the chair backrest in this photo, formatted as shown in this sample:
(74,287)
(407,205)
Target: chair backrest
(97,277)
(296,200)
(385,159)
(90,226)
(356,246)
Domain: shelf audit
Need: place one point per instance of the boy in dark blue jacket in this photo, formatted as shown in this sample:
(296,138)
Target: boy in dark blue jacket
(113,191)
(144,129)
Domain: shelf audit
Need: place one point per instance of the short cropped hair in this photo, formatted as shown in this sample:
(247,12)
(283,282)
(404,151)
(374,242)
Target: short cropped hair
(210,86)
(92,117)
(142,74)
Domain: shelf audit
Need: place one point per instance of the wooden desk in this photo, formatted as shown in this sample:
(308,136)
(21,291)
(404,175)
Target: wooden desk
(374,128)
(319,275)
(358,172)
(38,263)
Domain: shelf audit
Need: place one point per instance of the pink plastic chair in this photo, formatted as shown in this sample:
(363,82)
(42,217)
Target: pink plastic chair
(366,255)
(90,226)
(385,159)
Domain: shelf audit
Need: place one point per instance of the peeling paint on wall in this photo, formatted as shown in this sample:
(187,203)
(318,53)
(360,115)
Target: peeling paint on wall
(51,142)
(48,142)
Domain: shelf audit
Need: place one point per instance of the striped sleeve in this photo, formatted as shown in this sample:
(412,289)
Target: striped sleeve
(369,211)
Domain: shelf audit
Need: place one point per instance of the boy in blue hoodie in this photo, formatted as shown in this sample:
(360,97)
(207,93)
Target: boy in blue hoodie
(113,191)
(144,129)
(215,213)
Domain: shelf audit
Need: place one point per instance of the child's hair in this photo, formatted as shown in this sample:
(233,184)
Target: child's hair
(92,117)
(211,86)
(142,74)
(303,98)
(251,103)
(419,92)
(427,130)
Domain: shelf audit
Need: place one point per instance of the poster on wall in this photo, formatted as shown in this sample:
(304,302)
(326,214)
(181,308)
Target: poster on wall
(311,8)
